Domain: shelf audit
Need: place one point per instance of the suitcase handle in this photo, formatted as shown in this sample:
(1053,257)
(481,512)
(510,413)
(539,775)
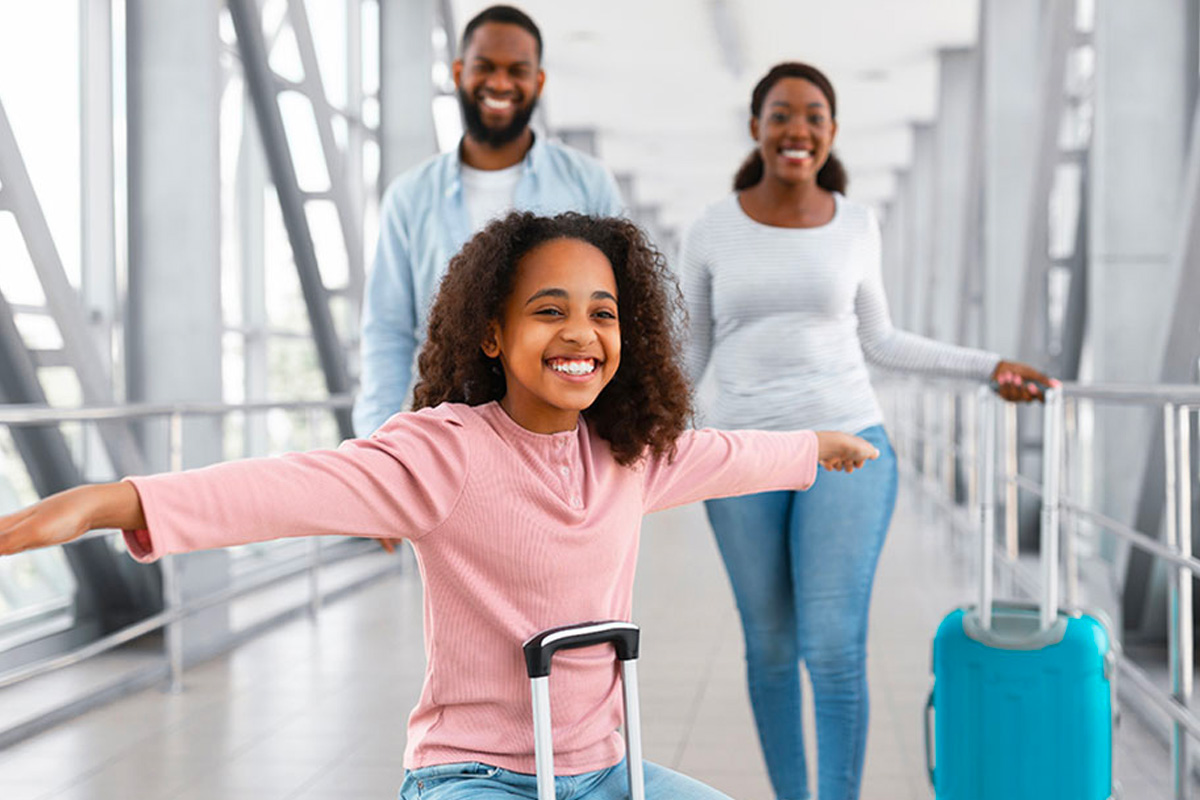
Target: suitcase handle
(929,739)
(541,647)
(1051,501)
(539,651)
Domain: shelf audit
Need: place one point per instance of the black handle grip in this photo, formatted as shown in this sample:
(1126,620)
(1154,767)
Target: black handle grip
(541,647)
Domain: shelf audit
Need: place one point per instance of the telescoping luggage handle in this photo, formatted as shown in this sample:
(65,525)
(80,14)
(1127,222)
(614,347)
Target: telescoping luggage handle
(540,650)
(1051,500)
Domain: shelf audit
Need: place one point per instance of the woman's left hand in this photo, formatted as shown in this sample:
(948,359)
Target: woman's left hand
(1020,383)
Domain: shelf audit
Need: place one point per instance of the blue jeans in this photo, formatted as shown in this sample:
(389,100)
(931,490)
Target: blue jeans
(472,780)
(802,565)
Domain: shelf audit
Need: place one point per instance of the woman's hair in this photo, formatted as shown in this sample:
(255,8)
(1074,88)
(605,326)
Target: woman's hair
(647,404)
(832,176)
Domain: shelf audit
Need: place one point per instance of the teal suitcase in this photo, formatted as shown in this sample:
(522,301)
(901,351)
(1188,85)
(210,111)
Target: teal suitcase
(1023,701)
(1020,711)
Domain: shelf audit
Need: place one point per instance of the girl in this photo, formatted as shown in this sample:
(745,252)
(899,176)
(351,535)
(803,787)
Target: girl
(783,288)
(552,416)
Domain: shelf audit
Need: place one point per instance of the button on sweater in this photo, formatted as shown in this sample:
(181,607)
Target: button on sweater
(514,532)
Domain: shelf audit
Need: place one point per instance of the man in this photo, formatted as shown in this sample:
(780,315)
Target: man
(431,210)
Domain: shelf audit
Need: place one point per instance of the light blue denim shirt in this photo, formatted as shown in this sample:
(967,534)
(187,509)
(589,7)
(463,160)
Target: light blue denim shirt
(423,223)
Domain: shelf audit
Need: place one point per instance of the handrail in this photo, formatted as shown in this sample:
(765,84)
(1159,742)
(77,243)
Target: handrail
(164,618)
(22,415)
(1148,394)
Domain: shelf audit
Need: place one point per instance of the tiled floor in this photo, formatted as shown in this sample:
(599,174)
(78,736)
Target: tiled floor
(317,712)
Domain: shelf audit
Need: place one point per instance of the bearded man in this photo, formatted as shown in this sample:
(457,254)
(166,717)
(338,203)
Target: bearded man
(428,213)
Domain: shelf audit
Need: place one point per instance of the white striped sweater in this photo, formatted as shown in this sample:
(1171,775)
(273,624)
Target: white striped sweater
(790,317)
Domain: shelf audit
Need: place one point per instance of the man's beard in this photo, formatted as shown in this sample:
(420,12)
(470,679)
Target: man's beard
(493,137)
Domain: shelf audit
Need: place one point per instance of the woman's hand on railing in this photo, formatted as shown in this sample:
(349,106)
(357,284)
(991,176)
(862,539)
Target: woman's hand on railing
(1021,383)
(841,451)
(68,515)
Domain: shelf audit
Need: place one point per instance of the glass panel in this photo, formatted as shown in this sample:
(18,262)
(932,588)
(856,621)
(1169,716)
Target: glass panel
(447,121)
(61,386)
(327,21)
(33,585)
(39,331)
(285,56)
(294,373)
(330,247)
(18,281)
(300,124)
(42,39)
(370,47)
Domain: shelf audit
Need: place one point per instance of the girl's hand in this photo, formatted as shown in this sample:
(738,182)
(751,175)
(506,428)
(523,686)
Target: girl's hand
(1020,383)
(841,451)
(68,515)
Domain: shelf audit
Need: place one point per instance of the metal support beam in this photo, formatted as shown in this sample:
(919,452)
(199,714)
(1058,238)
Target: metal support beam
(251,215)
(1009,42)
(263,89)
(406,131)
(1066,362)
(1142,250)
(1057,34)
(895,244)
(174,326)
(970,324)
(913,314)
(956,102)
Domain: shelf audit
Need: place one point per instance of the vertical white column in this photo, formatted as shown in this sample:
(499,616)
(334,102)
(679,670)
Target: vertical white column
(174,326)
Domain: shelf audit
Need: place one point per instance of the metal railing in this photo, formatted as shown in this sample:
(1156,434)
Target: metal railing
(170,620)
(950,426)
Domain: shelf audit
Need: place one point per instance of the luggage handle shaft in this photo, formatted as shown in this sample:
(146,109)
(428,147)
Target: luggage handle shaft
(539,651)
(1051,475)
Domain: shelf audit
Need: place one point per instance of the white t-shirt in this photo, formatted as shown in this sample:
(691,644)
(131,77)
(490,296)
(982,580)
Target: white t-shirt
(489,192)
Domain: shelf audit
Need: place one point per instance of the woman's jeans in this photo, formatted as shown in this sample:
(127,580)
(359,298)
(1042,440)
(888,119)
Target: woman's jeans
(461,781)
(802,565)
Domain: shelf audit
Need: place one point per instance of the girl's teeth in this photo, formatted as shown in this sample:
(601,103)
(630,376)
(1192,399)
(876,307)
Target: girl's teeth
(797,153)
(574,367)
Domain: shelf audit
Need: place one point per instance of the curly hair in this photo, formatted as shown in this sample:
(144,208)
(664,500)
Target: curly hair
(647,404)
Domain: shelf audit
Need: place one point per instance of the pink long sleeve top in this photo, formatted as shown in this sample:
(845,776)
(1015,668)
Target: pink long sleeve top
(514,532)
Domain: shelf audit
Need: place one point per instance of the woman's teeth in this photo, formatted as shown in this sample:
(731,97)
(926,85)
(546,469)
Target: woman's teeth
(796,153)
(574,367)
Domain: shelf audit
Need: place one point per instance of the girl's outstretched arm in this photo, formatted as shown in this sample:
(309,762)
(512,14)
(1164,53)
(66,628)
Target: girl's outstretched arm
(68,515)
(712,463)
(402,482)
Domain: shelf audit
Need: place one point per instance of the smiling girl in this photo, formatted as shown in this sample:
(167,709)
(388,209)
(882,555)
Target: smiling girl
(552,416)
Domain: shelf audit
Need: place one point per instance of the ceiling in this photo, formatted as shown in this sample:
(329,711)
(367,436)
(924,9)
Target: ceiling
(666,83)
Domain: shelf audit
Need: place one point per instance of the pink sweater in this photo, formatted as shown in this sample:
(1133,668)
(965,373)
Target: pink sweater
(514,532)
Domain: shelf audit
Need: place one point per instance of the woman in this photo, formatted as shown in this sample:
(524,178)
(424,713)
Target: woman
(782,281)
